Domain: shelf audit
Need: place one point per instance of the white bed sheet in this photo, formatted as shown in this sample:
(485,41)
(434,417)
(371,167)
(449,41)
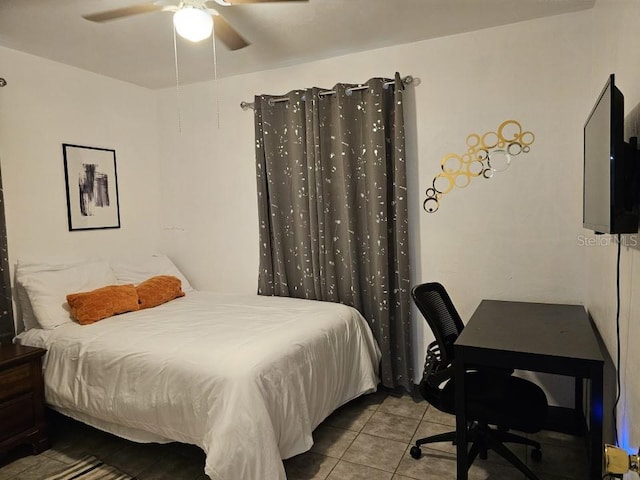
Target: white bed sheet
(246,378)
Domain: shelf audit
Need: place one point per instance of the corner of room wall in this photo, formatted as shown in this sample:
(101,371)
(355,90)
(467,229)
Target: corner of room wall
(514,237)
(614,38)
(46,104)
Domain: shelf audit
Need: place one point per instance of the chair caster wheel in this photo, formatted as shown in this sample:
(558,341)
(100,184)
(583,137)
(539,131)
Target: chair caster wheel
(415,452)
(536,455)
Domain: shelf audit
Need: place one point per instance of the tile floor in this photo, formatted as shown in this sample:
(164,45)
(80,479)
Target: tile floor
(367,439)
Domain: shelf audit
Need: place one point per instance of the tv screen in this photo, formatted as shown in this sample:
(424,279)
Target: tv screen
(605,187)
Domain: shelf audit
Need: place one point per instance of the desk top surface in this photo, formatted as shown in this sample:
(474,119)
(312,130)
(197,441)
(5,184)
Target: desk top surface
(534,328)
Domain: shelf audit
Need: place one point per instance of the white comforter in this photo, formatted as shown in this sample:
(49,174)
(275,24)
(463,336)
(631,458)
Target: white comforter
(245,378)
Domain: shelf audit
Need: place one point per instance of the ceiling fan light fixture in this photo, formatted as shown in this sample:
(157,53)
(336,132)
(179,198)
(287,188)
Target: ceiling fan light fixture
(193,23)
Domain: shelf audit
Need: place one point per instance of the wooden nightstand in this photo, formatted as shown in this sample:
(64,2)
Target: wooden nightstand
(22,398)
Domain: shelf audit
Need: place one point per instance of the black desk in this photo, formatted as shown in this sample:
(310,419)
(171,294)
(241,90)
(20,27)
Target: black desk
(538,337)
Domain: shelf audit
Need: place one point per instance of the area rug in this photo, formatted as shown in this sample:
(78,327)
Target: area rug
(90,468)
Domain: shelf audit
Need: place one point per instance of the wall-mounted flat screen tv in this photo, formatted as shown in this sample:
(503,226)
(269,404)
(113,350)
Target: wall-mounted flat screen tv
(607,180)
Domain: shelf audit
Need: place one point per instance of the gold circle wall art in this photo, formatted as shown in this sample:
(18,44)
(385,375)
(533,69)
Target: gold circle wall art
(486,155)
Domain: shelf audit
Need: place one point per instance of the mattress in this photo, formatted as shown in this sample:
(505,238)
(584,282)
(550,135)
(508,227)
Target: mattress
(246,378)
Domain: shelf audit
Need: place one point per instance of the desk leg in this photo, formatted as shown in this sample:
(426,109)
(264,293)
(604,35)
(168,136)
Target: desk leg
(461,420)
(595,415)
(579,416)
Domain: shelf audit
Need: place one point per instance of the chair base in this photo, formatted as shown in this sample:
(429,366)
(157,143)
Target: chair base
(482,439)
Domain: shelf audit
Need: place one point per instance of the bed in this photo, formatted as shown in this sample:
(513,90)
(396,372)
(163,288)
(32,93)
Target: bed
(246,378)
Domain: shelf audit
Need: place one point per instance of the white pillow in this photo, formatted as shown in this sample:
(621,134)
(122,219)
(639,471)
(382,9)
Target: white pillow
(27,265)
(48,290)
(138,269)
(45,264)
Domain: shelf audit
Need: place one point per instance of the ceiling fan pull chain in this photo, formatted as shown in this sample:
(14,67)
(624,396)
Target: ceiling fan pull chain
(215,76)
(175,56)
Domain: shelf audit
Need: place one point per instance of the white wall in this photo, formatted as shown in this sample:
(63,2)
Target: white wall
(512,237)
(46,104)
(193,193)
(615,50)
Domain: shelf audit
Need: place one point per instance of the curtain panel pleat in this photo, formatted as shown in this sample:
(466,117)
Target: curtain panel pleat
(7,328)
(332,207)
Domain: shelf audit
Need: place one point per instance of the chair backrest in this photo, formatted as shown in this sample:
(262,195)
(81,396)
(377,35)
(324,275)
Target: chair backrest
(436,307)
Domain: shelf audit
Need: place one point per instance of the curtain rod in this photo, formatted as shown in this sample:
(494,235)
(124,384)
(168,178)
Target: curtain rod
(406,80)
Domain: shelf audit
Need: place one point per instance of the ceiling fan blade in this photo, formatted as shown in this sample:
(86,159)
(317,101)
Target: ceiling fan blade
(122,12)
(229,36)
(240,2)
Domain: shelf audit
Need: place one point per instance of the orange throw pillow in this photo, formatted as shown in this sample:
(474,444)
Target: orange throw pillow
(159,290)
(89,307)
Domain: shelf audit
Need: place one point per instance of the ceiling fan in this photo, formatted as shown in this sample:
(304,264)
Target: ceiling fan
(193,19)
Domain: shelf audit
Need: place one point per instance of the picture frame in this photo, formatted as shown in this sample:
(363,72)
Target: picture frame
(91,179)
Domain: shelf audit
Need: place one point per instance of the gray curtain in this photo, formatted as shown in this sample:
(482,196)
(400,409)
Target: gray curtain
(7,330)
(332,201)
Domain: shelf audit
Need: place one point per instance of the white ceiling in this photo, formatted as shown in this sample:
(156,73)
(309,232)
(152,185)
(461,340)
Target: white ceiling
(140,49)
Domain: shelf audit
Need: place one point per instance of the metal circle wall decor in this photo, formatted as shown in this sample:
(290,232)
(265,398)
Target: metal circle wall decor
(487,154)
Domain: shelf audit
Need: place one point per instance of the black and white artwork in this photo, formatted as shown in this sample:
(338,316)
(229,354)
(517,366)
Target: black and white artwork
(92,187)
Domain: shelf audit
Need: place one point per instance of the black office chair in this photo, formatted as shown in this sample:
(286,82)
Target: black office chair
(493,396)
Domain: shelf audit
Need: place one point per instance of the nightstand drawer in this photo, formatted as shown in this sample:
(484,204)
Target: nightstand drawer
(22,419)
(14,381)
(16,416)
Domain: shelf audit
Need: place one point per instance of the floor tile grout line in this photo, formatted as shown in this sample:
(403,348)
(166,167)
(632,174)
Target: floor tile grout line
(368,466)
(16,473)
(395,472)
(352,442)
(345,450)
(332,468)
(400,415)
(415,431)
(555,444)
(425,412)
(341,459)
(389,438)
(361,432)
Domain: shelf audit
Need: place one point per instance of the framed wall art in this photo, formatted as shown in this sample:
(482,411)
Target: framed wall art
(92,187)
